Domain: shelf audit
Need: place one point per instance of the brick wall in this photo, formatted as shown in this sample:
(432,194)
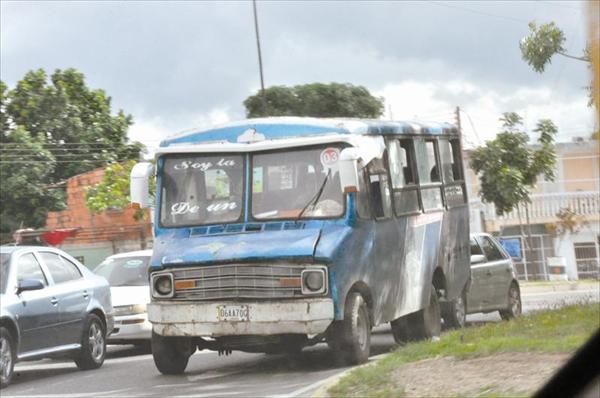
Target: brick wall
(110,225)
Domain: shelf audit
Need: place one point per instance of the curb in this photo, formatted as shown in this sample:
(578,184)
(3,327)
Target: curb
(558,287)
(321,392)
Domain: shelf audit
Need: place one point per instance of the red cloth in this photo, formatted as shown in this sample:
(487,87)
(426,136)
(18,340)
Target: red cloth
(56,237)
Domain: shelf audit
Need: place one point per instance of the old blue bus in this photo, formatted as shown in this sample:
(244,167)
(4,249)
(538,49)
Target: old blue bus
(278,233)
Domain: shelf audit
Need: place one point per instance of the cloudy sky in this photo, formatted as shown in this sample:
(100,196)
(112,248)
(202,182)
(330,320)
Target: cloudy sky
(181,65)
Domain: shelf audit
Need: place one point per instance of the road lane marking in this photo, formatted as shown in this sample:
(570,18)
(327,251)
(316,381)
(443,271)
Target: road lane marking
(82,394)
(60,365)
(210,375)
(173,385)
(221,394)
(560,293)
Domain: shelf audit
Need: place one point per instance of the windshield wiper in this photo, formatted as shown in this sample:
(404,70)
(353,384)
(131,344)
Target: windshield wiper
(315,199)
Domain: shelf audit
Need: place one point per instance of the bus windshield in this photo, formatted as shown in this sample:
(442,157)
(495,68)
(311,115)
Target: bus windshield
(201,189)
(297,183)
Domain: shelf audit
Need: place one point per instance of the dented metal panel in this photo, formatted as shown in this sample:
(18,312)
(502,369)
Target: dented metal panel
(307,316)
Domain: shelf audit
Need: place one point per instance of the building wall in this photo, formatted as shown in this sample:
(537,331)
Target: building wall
(577,176)
(98,235)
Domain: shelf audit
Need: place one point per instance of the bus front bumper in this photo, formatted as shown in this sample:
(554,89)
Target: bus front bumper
(307,316)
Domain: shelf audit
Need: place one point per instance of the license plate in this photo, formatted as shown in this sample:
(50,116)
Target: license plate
(238,313)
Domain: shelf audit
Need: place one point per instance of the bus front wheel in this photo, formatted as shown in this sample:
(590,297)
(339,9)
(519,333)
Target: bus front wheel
(351,338)
(171,354)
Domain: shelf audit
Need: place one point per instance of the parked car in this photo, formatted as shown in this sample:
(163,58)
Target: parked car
(127,274)
(51,305)
(494,284)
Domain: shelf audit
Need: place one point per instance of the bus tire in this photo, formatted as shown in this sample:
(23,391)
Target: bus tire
(351,338)
(400,329)
(421,325)
(171,354)
(455,312)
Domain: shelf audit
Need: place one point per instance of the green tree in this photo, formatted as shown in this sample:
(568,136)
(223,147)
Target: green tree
(54,128)
(113,191)
(508,167)
(544,42)
(24,195)
(316,100)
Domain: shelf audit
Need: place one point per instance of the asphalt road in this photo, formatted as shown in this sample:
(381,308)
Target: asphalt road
(130,373)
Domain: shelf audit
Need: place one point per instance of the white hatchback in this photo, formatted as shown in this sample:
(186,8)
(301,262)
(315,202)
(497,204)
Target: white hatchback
(127,274)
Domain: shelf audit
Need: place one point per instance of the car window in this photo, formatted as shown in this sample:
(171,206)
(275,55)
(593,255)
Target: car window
(29,268)
(491,251)
(125,271)
(4,264)
(475,248)
(61,269)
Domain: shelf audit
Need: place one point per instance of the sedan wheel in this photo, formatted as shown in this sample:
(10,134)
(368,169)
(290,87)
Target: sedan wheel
(7,357)
(514,303)
(96,342)
(455,312)
(93,344)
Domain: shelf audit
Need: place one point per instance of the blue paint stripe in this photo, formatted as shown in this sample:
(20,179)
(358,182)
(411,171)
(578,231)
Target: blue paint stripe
(334,295)
(282,130)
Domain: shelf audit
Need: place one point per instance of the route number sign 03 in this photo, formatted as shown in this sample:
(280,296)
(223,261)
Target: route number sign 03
(330,157)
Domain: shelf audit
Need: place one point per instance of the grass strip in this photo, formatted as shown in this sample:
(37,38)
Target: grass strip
(550,331)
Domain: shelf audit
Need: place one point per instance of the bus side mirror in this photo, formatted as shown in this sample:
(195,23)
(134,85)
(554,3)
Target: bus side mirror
(349,170)
(140,183)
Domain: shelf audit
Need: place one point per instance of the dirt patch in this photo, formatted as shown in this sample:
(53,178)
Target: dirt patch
(511,373)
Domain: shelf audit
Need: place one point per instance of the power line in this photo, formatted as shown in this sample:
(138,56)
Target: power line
(438,3)
(552,3)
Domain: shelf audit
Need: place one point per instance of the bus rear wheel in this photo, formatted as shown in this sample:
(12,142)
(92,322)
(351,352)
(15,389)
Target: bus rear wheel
(351,338)
(171,354)
(421,325)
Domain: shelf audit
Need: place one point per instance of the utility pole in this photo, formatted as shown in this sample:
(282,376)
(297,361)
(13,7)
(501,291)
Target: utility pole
(457,115)
(260,66)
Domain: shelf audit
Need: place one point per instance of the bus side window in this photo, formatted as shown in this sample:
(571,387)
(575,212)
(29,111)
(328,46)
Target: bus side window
(379,190)
(452,172)
(401,160)
(362,197)
(447,160)
(429,174)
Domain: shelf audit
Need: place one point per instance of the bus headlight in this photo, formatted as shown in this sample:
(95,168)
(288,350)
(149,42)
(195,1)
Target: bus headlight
(314,280)
(162,285)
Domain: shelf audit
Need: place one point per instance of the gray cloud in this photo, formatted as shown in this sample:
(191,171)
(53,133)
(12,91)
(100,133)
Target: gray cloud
(178,60)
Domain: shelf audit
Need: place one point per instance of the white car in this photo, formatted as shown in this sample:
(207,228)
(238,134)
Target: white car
(127,274)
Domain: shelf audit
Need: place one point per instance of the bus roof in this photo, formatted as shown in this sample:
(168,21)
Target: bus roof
(289,127)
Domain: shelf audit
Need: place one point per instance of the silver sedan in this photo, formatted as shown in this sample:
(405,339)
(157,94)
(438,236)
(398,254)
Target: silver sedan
(51,305)
(494,284)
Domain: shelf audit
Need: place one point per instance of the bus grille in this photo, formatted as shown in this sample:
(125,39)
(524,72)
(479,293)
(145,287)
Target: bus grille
(234,281)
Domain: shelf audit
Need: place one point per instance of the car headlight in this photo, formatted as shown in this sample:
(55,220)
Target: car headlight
(130,309)
(314,281)
(162,285)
